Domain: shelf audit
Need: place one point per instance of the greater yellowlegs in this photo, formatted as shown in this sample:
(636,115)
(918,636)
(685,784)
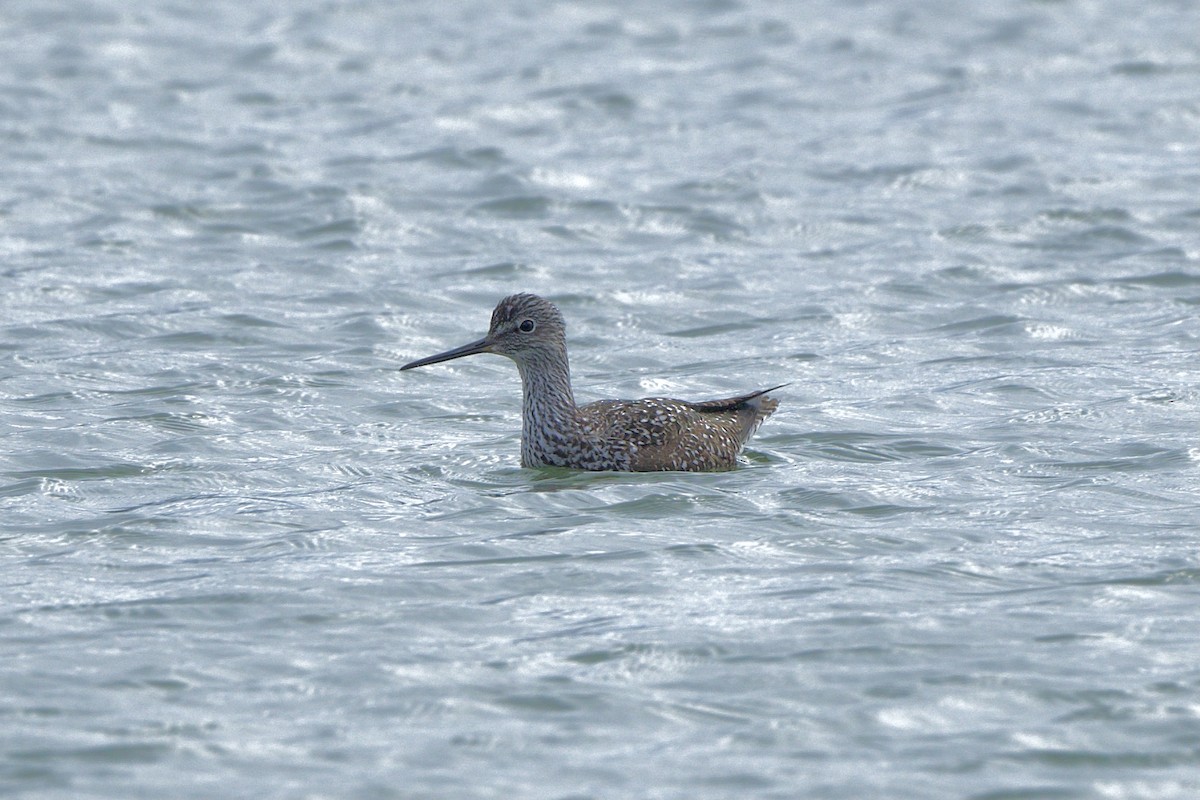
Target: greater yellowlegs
(655,433)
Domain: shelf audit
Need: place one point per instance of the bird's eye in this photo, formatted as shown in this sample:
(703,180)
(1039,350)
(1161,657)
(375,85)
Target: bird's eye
(527,326)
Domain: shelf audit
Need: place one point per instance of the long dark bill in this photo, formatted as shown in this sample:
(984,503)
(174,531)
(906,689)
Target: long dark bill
(471,349)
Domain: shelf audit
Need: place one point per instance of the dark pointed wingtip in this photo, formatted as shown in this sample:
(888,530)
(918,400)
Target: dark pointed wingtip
(481,346)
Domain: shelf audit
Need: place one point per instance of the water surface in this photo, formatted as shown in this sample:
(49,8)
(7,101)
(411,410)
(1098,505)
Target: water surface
(244,556)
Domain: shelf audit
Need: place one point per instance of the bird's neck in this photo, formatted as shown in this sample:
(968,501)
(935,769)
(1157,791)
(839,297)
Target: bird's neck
(548,410)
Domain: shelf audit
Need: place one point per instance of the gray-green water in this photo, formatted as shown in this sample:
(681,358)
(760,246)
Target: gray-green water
(243,556)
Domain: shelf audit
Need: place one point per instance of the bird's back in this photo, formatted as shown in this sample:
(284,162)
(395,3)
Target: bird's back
(659,433)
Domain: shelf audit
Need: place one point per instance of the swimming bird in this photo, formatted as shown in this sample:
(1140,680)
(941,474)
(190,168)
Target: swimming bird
(655,433)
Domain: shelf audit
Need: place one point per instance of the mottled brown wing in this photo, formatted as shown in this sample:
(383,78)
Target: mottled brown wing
(652,422)
(660,433)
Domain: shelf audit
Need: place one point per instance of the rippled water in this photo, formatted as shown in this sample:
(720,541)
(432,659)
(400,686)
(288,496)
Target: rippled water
(244,556)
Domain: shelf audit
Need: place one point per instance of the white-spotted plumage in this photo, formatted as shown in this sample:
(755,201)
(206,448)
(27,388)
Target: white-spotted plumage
(655,433)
